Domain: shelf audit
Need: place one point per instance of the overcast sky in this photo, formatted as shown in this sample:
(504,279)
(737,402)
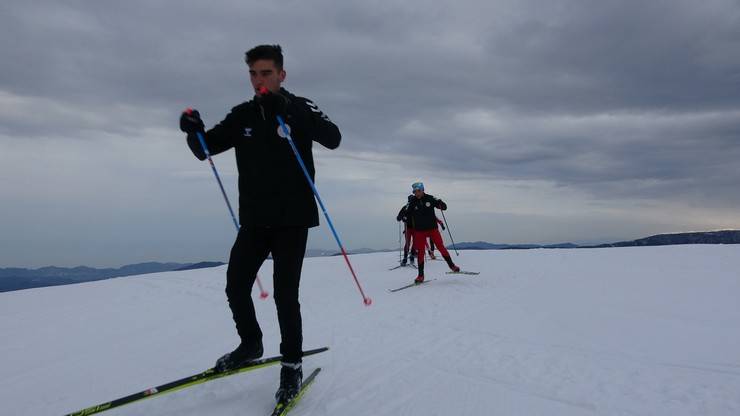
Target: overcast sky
(536,121)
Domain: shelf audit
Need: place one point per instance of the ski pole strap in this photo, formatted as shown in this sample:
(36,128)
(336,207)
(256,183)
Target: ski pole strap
(203,143)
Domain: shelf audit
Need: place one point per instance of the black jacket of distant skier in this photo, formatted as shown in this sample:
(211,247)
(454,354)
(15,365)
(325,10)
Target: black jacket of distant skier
(403,216)
(273,190)
(421,212)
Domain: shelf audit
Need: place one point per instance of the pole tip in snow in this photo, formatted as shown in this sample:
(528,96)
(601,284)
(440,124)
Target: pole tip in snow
(367,301)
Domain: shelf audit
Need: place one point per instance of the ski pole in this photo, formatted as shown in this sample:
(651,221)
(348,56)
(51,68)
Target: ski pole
(366,300)
(449,232)
(400,246)
(263,293)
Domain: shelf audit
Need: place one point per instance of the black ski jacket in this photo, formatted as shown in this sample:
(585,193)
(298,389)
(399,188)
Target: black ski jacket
(273,190)
(402,216)
(421,212)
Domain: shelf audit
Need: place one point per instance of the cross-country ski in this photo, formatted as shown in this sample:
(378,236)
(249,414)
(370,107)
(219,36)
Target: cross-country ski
(410,285)
(283,407)
(463,272)
(190,381)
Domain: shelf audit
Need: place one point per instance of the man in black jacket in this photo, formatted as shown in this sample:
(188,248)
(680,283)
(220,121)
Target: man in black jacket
(424,223)
(276,204)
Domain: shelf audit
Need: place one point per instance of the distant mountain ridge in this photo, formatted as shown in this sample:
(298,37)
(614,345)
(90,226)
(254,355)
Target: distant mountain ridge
(701,237)
(15,278)
(201,265)
(482,245)
(20,278)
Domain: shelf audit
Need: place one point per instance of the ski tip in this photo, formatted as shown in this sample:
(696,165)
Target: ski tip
(315,351)
(313,374)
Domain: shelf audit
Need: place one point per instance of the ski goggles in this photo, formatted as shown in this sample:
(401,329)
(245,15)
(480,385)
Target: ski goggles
(417,186)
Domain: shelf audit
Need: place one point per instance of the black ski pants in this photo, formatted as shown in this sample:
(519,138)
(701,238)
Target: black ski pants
(251,248)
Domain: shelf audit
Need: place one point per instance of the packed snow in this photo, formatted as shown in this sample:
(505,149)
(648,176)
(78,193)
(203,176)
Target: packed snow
(619,331)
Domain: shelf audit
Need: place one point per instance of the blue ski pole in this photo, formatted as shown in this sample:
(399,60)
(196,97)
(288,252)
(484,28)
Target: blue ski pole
(218,178)
(263,293)
(366,300)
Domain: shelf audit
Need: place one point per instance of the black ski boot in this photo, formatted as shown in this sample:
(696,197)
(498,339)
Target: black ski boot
(403,262)
(420,278)
(243,354)
(450,264)
(291,377)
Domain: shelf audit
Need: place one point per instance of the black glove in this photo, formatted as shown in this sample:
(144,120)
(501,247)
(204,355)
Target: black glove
(441,205)
(274,103)
(190,121)
(443,227)
(400,218)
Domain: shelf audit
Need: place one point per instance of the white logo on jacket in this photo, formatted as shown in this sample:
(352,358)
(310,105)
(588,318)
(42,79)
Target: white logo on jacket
(280,131)
(428,204)
(247,132)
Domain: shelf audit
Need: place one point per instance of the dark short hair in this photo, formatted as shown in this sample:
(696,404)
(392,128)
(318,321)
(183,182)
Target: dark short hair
(273,53)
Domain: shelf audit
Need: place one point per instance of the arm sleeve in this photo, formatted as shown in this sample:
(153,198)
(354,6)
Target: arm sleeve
(324,130)
(401,213)
(218,139)
(441,204)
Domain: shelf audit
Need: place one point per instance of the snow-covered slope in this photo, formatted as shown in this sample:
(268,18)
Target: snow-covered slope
(623,331)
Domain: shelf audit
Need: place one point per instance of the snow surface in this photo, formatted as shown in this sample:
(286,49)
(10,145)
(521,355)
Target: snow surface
(619,331)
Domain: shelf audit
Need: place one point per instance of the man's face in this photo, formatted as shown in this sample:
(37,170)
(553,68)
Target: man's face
(418,193)
(264,73)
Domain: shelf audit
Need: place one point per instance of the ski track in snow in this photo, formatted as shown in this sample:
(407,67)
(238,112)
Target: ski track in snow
(620,331)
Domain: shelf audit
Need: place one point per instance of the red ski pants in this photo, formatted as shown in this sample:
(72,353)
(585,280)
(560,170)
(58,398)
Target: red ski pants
(420,242)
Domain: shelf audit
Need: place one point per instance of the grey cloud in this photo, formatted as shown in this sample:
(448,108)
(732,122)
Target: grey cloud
(654,155)
(620,100)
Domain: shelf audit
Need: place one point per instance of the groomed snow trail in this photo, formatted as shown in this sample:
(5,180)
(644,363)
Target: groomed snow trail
(621,331)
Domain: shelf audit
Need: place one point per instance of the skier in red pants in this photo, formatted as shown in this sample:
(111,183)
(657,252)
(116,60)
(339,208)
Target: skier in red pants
(431,242)
(424,223)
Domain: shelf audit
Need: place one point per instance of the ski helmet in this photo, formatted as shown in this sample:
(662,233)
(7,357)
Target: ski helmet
(417,186)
